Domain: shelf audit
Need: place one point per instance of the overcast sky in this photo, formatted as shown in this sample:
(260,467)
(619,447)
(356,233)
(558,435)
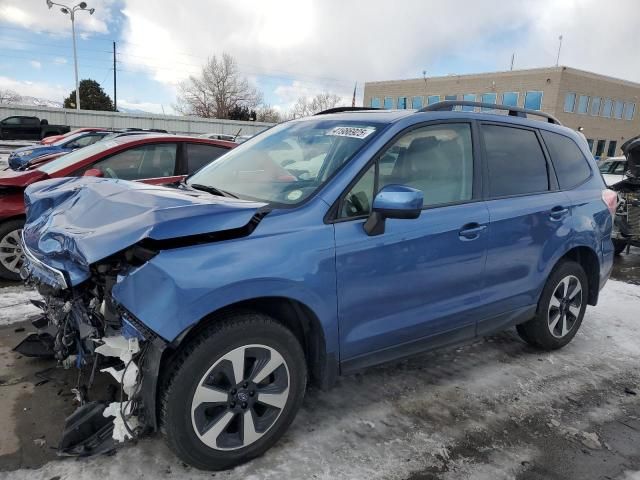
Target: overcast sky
(290,48)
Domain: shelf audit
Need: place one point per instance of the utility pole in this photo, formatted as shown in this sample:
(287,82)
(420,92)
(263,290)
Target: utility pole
(115,95)
(513,58)
(559,48)
(71,11)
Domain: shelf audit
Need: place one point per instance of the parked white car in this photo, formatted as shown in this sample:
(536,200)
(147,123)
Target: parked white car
(613,169)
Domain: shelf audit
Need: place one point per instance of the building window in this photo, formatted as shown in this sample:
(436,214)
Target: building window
(611,151)
(595,106)
(583,104)
(606,108)
(489,98)
(375,102)
(510,99)
(570,102)
(469,97)
(416,102)
(388,102)
(533,100)
(600,148)
(590,143)
(617,109)
(629,110)
(402,103)
(431,99)
(451,97)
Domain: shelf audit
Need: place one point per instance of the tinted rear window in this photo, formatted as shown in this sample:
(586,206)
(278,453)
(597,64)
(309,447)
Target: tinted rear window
(199,155)
(571,165)
(515,161)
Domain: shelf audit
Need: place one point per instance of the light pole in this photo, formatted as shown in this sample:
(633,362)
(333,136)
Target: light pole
(559,48)
(71,11)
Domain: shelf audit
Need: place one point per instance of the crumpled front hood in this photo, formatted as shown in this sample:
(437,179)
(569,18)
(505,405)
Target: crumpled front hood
(74,222)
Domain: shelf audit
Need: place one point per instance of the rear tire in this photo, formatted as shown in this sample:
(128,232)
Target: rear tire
(213,414)
(11,254)
(560,309)
(619,245)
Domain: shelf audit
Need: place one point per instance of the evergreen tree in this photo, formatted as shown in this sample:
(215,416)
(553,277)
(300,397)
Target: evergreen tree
(92,97)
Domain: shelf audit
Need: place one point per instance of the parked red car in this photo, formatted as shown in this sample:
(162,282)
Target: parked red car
(155,159)
(55,138)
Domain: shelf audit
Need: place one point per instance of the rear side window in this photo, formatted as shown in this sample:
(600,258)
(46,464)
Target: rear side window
(515,161)
(146,161)
(571,165)
(199,155)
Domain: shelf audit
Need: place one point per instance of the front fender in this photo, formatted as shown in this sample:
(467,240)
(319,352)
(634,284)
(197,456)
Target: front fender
(179,287)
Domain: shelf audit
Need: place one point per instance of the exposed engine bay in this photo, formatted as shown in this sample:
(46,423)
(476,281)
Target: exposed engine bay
(627,221)
(82,327)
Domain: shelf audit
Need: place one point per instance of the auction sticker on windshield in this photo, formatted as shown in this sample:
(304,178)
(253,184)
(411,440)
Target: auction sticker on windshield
(352,132)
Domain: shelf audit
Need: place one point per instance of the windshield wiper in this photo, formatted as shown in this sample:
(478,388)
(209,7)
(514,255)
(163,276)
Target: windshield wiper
(211,190)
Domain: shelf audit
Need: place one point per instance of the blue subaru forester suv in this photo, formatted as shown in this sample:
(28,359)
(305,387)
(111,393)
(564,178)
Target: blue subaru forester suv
(321,246)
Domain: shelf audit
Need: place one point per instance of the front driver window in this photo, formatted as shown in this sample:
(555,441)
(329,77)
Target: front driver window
(148,161)
(437,159)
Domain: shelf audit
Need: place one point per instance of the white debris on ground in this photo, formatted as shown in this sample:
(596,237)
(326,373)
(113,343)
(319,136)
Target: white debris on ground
(15,304)
(485,410)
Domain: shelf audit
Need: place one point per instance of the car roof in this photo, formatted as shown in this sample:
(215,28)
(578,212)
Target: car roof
(393,116)
(378,116)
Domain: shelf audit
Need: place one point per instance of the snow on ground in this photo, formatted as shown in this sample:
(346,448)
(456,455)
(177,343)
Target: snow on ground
(15,304)
(485,410)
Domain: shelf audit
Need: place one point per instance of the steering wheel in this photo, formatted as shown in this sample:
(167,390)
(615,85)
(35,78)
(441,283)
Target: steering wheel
(354,205)
(110,172)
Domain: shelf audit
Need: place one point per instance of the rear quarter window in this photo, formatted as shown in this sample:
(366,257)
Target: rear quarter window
(515,162)
(572,167)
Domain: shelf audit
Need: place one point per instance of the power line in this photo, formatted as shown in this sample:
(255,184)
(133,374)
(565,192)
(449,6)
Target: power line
(45,45)
(31,57)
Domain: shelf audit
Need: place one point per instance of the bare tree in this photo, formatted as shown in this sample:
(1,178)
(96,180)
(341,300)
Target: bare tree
(9,96)
(267,113)
(217,90)
(308,106)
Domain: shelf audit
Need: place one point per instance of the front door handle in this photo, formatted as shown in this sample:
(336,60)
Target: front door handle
(471,231)
(558,212)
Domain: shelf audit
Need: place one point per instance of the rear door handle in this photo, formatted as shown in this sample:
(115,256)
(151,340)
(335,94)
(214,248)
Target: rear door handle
(558,212)
(471,231)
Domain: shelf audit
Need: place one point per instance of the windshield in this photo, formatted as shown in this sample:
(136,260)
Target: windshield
(289,162)
(68,138)
(74,157)
(616,167)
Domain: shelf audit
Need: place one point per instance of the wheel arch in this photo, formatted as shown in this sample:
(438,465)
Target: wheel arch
(294,315)
(588,259)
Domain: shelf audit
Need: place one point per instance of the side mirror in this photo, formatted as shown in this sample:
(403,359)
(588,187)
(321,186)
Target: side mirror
(93,172)
(393,201)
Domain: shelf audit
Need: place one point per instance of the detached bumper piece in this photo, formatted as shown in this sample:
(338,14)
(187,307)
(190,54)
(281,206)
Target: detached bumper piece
(36,345)
(87,432)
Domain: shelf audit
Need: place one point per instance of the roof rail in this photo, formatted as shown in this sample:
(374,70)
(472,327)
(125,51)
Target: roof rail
(448,105)
(345,109)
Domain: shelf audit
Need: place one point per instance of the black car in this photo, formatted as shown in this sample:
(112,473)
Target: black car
(29,128)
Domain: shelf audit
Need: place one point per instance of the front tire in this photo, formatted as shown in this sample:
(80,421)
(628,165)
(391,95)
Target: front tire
(232,391)
(560,309)
(11,254)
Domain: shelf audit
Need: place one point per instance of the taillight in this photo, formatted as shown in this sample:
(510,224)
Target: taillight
(610,198)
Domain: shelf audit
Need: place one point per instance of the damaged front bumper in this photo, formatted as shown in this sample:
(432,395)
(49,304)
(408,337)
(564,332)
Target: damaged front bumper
(82,327)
